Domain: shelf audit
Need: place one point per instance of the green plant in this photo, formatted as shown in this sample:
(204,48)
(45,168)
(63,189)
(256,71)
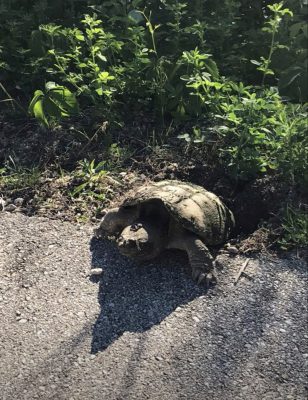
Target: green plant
(15,178)
(290,149)
(272,27)
(91,176)
(55,103)
(79,57)
(252,130)
(291,66)
(294,228)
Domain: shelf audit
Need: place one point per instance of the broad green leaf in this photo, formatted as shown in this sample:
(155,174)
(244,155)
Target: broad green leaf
(211,66)
(65,99)
(101,57)
(38,111)
(38,94)
(103,76)
(52,109)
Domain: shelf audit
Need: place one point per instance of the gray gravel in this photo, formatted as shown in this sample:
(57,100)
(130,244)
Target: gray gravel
(141,332)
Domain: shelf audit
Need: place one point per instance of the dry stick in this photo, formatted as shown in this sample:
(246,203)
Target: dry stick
(241,270)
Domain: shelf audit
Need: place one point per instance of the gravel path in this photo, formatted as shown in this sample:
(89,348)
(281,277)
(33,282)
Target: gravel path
(143,333)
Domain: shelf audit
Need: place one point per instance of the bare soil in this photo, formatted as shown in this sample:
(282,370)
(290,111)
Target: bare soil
(56,154)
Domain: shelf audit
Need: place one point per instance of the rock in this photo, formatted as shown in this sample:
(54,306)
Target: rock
(18,202)
(2,204)
(10,207)
(96,271)
(232,250)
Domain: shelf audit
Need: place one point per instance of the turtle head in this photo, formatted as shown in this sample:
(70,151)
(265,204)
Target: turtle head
(141,241)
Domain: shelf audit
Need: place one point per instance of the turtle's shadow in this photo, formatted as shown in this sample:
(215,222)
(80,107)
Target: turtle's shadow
(134,298)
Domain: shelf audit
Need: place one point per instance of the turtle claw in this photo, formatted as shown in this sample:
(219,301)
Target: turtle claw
(210,279)
(203,277)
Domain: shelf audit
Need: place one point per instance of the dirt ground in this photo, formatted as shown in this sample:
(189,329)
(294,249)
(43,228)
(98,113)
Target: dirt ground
(143,332)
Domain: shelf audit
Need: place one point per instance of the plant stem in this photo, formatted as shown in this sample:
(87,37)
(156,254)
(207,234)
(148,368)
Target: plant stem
(269,58)
(12,100)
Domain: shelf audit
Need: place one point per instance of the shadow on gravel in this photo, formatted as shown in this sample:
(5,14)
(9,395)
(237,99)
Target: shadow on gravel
(134,298)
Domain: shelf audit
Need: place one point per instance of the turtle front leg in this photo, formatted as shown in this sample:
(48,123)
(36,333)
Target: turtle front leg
(116,219)
(200,259)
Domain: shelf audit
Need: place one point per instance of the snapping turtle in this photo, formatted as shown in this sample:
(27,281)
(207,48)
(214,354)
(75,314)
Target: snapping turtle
(170,214)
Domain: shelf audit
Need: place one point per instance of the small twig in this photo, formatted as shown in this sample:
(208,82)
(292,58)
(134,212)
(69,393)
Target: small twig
(241,270)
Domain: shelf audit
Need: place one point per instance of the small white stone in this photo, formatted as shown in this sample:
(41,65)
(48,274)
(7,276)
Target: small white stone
(96,271)
(18,202)
(2,204)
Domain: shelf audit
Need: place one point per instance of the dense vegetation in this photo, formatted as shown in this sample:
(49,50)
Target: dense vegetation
(222,83)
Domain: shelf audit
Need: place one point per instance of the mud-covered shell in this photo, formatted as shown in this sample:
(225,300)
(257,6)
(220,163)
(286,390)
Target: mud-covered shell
(196,209)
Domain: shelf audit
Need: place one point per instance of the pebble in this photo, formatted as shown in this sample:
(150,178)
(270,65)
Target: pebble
(232,250)
(18,202)
(23,321)
(223,251)
(10,207)
(2,204)
(96,271)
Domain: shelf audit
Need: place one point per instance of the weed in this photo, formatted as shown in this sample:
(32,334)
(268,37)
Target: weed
(294,228)
(272,27)
(56,103)
(13,178)
(91,176)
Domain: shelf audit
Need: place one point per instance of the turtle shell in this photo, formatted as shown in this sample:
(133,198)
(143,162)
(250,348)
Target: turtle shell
(196,209)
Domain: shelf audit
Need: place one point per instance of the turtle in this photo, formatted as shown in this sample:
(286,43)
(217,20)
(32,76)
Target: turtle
(170,214)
